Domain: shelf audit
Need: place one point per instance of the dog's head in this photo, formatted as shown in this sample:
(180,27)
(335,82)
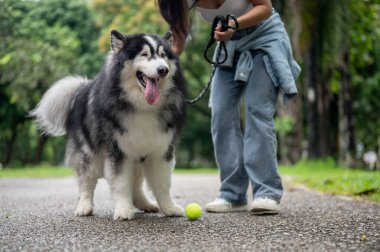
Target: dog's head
(145,63)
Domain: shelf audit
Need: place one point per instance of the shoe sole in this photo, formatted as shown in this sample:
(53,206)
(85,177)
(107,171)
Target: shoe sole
(262,211)
(220,210)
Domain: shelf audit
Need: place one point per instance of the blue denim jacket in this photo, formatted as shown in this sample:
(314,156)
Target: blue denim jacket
(271,37)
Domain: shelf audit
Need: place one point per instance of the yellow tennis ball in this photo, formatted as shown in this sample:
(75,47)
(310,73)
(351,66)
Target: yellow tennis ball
(193,211)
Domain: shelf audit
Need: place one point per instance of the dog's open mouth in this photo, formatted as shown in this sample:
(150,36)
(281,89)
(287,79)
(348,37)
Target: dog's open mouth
(150,87)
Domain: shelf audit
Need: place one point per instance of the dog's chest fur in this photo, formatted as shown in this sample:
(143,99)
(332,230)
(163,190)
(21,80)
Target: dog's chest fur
(145,136)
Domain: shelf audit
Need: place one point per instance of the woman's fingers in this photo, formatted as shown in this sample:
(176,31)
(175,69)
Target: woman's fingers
(223,36)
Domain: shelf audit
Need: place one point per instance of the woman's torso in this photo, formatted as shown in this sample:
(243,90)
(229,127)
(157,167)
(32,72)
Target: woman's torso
(235,7)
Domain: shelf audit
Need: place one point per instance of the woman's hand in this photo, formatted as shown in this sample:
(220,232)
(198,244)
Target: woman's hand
(223,36)
(226,35)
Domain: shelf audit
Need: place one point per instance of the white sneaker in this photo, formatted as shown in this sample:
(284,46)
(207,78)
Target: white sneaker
(265,206)
(223,206)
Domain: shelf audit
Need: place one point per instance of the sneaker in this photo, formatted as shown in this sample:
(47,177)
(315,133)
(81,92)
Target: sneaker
(265,206)
(223,206)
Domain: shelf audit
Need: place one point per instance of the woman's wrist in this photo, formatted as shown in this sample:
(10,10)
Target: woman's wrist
(233,23)
(232,27)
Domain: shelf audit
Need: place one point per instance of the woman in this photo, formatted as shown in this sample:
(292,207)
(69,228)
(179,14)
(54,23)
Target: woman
(259,63)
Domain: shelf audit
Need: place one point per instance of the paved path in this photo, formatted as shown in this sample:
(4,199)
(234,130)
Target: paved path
(37,215)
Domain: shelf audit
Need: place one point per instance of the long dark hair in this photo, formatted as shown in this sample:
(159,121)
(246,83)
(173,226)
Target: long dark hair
(176,14)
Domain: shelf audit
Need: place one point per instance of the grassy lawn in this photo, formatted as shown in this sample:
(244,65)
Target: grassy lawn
(326,176)
(323,176)
(36,172)
(46,171)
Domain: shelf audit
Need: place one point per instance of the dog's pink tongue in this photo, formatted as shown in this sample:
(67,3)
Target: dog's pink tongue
(152,93)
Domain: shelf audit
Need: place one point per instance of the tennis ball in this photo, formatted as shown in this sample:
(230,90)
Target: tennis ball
(193,211)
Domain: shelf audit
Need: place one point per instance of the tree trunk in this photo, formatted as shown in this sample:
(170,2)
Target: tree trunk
(325,124)
(39,149)
(311,94)
(10,147)
(293,142)
(346,122)
(320,128)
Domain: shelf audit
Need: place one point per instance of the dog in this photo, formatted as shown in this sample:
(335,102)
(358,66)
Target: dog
(123,125)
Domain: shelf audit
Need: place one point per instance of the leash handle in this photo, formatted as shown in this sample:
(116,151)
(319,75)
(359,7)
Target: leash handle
(224,26)
(223,21)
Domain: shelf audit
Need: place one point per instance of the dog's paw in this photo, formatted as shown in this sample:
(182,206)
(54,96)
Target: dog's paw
(84,208)
(149,207)
(175,210)
(123,213)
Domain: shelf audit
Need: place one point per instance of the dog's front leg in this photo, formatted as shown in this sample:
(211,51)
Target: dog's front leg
(158,176)
(140,200)
(121,181)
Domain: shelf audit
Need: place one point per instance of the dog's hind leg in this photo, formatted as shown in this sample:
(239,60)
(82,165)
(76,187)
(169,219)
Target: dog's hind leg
(87,180)
(158,176)
(86,189)
(89,168)
(87,186)
(140,200)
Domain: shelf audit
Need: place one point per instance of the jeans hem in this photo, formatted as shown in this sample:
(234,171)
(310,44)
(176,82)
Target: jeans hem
(276,198)
(233,198)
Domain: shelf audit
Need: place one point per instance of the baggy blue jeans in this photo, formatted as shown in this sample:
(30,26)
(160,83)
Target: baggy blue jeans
(249,156)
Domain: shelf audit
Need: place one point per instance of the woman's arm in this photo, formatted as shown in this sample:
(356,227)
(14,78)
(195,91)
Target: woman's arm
(262,9)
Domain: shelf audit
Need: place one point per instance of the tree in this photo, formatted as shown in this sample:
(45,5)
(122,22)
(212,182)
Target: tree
(39,45)
(337,42)
(364,66)
(289,119)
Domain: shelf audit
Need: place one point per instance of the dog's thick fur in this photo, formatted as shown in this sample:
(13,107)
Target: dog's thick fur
(123,125)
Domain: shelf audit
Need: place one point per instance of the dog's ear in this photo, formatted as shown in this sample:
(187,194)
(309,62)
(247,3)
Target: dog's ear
(117,41)
(168,37)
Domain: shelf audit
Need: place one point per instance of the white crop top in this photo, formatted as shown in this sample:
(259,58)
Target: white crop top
(235,7)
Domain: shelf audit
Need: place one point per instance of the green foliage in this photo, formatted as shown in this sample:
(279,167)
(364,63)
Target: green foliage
(343,35)
(128,17)
(284,125)
(365,70)
(365,32)
(41,42)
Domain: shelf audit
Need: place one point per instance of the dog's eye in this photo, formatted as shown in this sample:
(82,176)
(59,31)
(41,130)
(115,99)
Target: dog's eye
(163,55)
(144,54)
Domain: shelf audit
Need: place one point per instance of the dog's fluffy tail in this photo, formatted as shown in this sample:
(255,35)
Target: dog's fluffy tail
(51,113)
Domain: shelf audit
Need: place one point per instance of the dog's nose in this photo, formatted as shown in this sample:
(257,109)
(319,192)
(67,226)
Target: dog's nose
(162,71)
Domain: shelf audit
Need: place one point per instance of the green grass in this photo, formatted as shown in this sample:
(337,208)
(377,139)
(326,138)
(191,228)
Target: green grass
(323,176)
(327,177)
(54,171)
(36,172)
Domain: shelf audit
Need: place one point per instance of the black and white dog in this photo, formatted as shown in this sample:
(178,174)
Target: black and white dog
(123,125)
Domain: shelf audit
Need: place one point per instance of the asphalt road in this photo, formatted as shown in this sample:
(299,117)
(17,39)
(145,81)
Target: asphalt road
(37,215)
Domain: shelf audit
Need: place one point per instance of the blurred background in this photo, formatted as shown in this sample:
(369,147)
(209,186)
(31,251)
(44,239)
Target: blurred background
(336,114)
